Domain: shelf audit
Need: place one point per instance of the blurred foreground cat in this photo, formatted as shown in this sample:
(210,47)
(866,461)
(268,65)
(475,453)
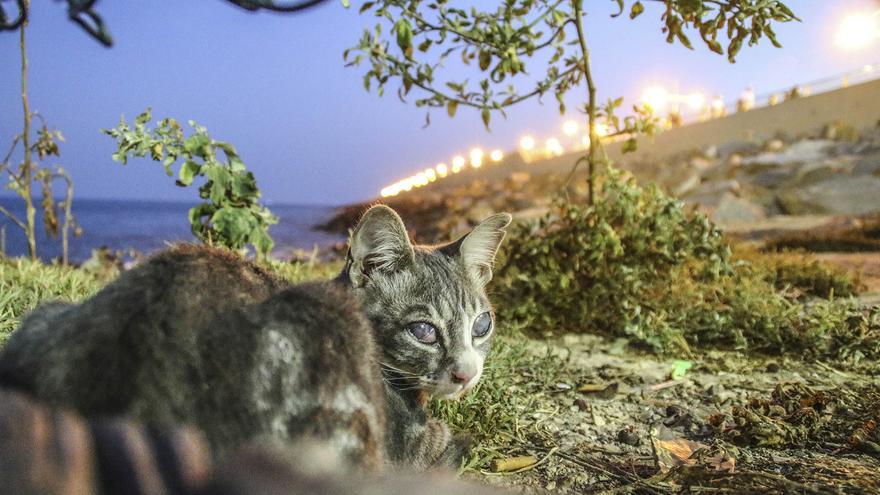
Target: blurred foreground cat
(201,336)
(45,451)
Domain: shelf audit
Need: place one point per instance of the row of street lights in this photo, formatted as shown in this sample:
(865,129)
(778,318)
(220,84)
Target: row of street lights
(476,159)
(856,31)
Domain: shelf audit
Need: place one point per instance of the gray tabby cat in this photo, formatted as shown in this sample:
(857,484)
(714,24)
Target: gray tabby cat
(204,337)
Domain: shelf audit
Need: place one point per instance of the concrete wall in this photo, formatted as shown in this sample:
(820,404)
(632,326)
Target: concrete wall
(857,105)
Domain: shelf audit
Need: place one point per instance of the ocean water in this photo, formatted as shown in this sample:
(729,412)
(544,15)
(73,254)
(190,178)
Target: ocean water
(146,226)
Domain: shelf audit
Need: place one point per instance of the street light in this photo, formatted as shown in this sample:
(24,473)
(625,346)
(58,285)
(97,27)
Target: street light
(527,143)
(442,169)
(656,97)
(476,155)
(858,30)
(570,128)
(457,164)
(496,155)
(553,147)
(695,101)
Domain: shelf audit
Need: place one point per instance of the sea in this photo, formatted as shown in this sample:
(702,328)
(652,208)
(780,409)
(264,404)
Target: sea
(128,226)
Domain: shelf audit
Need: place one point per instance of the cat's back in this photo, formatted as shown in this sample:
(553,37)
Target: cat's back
(136,336)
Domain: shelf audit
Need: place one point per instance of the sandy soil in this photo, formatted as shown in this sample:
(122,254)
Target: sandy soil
(640,431)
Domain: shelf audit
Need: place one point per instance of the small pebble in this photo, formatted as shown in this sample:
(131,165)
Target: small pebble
(629,437)
(772,367)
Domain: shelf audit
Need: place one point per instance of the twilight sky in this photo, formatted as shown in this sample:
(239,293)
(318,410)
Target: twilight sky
(275,86)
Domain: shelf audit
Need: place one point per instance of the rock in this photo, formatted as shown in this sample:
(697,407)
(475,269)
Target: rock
(800,152)
(734,209)
(775,145)
(868,165)
(711,152)
(687,185)
(811,173)
(772,178)
(700,163)
(629,436)
(717,188)
(735,160)
(842,195)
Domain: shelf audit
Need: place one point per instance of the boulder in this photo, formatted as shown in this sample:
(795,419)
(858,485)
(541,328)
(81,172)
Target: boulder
(687,185)
(733,209)
(840,195)
(799,152)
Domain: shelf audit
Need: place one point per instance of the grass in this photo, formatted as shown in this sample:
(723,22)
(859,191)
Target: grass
(778,303)
(497,414)
(25,283)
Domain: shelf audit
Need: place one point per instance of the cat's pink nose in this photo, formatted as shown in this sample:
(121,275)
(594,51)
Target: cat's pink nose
(460,376)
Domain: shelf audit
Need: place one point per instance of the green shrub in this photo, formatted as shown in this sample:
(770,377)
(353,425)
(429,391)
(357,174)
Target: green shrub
(638,266)
(590,268)
(799,271)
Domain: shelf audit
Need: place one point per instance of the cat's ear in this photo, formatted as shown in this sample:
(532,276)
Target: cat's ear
(478,247)
(378,243)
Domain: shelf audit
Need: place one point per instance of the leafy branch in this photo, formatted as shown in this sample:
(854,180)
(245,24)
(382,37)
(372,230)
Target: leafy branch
(230,214)
(414,40)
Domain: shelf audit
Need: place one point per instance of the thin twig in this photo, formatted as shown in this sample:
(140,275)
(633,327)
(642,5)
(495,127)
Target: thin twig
(14,218)
(591,91)
(524,469)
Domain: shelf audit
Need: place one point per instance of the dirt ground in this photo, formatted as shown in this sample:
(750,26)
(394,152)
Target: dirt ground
(617,423)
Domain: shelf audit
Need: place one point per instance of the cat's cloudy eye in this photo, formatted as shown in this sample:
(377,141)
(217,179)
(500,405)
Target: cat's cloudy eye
(424,332)
(482,325)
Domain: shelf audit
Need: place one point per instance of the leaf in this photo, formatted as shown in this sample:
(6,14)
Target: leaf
(188,172)
(715,47)
(619,5)
(485,59)
(196,145)
(679,369)
(733,49)
(245,186)
(197,212)
(144,117)
(630,145)
(404,34)
(512,463)
(486,115)
(451,107)
(636,10)
(675,452)
(346,3)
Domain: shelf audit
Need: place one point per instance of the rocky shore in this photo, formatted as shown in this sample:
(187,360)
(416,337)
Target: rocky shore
(767,189)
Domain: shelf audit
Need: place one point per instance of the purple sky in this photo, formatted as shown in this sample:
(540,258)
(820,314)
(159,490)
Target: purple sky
(275,86)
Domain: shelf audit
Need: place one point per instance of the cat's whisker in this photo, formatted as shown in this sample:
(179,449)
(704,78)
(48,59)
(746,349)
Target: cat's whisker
(389,367)
(397,380)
